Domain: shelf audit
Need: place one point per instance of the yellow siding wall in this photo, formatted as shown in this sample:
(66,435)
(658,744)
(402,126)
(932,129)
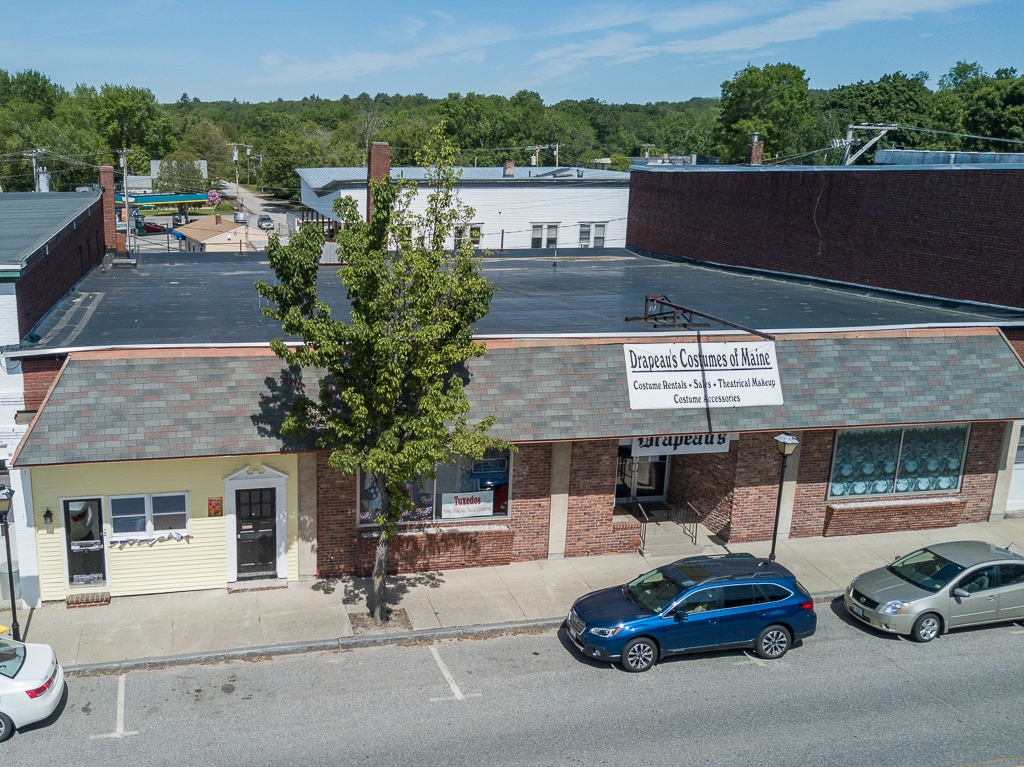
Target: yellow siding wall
(197,563)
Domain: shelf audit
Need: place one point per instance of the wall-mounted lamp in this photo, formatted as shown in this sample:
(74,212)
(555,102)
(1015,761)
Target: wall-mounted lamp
(48,517)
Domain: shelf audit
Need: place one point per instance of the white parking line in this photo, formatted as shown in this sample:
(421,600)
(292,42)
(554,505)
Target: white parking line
(119,730)
(751,659)
(450,679)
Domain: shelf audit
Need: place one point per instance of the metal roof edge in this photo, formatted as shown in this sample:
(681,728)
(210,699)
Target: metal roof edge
(59,351)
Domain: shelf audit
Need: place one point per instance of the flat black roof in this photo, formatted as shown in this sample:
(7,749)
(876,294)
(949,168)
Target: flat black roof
(194,298)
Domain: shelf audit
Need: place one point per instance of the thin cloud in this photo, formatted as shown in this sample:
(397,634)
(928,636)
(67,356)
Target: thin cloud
(355,64)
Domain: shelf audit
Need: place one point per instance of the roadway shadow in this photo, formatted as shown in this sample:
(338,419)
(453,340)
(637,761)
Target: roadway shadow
(44,723)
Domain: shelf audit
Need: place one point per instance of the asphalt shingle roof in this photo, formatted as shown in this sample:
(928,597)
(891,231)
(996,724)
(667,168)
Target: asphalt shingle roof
(142,408)
(28,220)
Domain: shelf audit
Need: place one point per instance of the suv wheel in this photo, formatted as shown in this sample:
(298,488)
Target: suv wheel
(773,642)
(639,654)
(926,628)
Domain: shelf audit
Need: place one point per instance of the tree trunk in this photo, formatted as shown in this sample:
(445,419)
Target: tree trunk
(380,582)
(380,560)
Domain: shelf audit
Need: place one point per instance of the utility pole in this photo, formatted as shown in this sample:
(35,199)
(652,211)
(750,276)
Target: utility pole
(127,204)
(35,154)
(536,152)
(234,157)
(556,154)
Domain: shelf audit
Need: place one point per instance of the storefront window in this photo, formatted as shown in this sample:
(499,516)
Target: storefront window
(892,461)
(467,489)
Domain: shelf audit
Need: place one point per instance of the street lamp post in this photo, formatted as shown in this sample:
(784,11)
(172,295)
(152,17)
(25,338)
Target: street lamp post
(6,494)
(787,445)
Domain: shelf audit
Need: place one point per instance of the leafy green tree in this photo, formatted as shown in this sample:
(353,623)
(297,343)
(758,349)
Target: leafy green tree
(895,98)
(773,101)
(180,171)
(619,162)
(391,403)
(206,141)
(130,117)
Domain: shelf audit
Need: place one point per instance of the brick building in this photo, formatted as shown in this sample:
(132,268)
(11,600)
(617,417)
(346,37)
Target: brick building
(949,230)
(909,423)
(48,242)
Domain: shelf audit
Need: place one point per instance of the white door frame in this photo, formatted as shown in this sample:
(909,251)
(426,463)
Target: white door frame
(247,479)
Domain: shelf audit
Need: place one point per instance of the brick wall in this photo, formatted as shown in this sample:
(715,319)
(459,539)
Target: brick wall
(345,549)
(954,233)
(438,548)
(109,208)
(530,501)
(378,167)
(812,483)
(38,375)
(589,527)
(757,488)
(335,520)
(981,463)
(888,517)
(707,481)
(974,501)
(54,269)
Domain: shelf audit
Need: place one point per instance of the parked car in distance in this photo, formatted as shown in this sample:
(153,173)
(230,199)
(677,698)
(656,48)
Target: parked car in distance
(241,217)
(697,604)
(938,588)
(31,684)
(152,228)
(265,222)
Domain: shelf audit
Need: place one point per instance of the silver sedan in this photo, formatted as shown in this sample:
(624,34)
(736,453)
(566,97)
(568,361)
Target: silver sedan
(941,587)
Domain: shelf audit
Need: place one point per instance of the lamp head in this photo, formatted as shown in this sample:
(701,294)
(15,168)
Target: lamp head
(787,444)
(47,517)
(5,499)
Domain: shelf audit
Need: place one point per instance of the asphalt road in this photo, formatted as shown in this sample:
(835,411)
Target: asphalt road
(845,697)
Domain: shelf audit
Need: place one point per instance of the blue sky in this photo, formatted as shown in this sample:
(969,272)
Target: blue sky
(614,51)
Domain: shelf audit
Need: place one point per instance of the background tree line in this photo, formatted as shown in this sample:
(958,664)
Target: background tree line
(85,126)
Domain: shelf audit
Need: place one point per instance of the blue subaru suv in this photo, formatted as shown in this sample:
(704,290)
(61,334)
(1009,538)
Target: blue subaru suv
(696,604)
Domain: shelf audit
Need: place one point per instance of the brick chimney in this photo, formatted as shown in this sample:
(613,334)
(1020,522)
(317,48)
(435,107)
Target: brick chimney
(216,219)
(378,167)
(109,216)
(755,150)
(510,169)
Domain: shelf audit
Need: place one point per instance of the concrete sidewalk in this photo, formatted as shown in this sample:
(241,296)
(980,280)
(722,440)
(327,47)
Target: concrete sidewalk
(195,622)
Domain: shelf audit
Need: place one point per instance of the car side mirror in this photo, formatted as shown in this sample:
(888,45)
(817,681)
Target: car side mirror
(962,593)
(679,616)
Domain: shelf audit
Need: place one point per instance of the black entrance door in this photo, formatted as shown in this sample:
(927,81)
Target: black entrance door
(83,524)
(256,512)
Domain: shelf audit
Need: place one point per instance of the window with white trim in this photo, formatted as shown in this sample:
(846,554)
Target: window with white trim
(592,234)
(135,515)
(544,236)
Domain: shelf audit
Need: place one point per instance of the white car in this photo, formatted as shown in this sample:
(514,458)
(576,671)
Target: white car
(31,684)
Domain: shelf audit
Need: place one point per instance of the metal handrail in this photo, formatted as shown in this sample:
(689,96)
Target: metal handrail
(634,506)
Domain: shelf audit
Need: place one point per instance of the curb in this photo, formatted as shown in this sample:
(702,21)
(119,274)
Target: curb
(477,631)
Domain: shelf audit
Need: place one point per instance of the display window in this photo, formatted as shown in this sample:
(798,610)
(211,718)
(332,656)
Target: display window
(871,462)
(466,489)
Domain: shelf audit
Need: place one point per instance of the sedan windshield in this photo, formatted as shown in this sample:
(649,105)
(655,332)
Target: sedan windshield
(12,657)
(654,591)
(926,569)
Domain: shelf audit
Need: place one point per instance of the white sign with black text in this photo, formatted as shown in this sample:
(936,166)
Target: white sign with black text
(683,444)
(476,504)
(737,374)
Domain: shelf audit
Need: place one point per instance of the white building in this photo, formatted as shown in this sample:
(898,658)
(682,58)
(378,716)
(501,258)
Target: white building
(516,208)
